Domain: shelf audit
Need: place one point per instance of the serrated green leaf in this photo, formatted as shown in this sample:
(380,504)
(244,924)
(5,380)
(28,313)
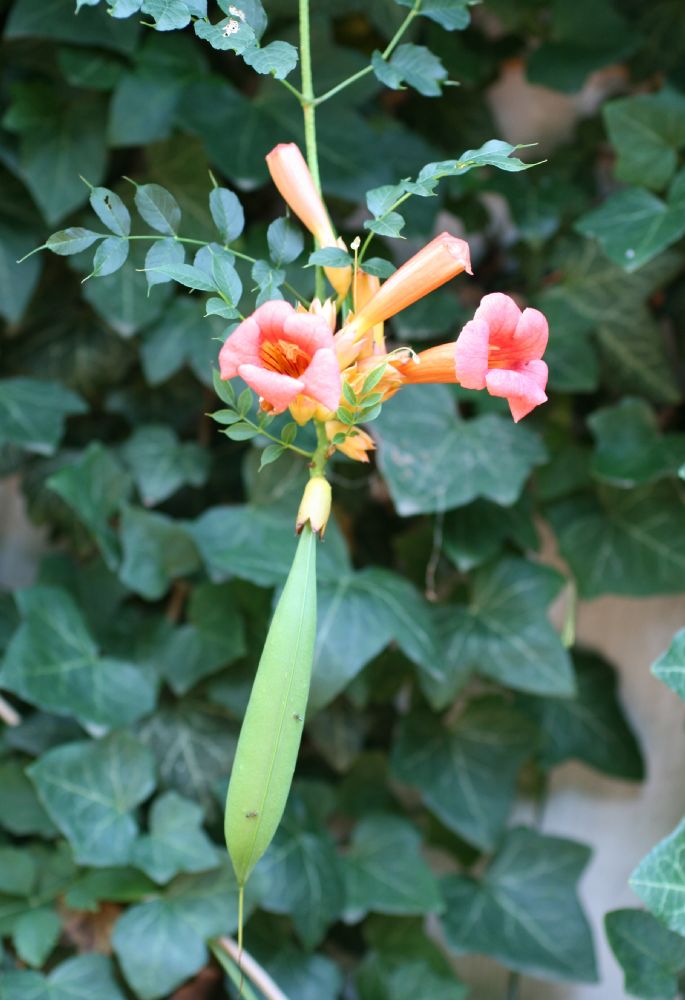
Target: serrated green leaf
(277,59)
(227,213)
(90,789)
(412,64)
(452,15)
(158,208)
(111,210)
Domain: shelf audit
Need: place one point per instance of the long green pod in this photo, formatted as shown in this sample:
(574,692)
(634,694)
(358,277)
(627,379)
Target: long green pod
(272,729)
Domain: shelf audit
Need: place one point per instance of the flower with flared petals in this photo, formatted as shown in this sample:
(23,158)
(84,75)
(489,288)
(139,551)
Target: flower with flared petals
(291,175)
(501,349)
(357,443)
(283,355)
(439,261)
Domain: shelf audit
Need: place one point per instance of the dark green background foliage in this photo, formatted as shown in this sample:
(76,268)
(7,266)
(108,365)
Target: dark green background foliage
(441,692)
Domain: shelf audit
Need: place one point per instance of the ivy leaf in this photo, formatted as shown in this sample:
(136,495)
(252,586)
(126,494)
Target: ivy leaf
(90,790)
(301,875)
(17,872)
(524,911)
(158,208)
(432,461)
(53,661)
(659,881)
(383,977)
(212,638)
(285,240)
(20,811)
(623,541)
(629,446)
(670,667)
(278,59)
(647,131)
(181,337)
(33,413)
(465,773)
(89,975)
(161,943)
(634,225)
(193,750)
(176,842)
(503,633)
(474,534)
(359,615)
(35,935)
(590,727)
(412,64)
(161,464)
(227,213)
(156,551)
(111,210)
(122,299)
(652,958)
(383,849)
(93,486)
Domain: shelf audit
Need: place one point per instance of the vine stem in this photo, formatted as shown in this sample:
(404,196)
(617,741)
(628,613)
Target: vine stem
(252,969)
(386,53)
(308,103)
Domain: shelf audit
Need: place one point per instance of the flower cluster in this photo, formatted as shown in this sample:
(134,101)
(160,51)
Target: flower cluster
(294,359)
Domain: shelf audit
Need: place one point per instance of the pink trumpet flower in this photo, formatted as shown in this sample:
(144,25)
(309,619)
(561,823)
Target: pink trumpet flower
(295,183)
(283,354)
(501,349)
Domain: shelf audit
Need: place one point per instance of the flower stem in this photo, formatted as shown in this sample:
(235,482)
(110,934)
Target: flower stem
(309,112)
(320,456)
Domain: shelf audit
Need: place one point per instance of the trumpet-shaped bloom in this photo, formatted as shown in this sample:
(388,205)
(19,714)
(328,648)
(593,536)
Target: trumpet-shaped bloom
(283,354)
(501,349)
(291,175)
(439,261)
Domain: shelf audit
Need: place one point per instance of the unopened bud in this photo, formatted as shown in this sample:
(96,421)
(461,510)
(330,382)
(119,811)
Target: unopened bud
(315,506)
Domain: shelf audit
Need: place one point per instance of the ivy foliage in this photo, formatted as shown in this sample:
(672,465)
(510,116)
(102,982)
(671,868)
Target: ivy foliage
(132,146)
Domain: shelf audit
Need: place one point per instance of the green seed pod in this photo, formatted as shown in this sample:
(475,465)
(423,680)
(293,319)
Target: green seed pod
(272,729)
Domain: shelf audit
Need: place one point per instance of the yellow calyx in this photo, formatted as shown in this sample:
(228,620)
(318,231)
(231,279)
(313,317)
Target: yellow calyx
(315,506)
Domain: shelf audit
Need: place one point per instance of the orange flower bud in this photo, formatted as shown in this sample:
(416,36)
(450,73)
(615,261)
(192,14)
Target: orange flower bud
(364,287)
(356,445)
(290,174)
(439,261)
(315,506)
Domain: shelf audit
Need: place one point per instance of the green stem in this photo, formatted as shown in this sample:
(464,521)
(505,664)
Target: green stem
(386,53)
(291,447)
(395,204)
(309,112)
(320,456)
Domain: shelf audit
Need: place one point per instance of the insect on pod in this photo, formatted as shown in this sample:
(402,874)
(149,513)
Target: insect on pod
(269,742)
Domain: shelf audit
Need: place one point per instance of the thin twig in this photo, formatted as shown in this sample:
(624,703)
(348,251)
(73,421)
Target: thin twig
(252,969)
(8,714)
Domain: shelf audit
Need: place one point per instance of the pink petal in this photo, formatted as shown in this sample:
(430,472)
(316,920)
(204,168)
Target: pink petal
(240,348)
(308,331)
(471,354)
(524,389)
(501,314)
(271,317)
(278,390)
(531,334)
(322,379)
